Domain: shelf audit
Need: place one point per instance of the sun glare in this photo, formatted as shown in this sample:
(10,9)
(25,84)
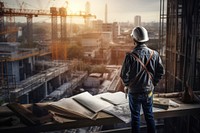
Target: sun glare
(73,6)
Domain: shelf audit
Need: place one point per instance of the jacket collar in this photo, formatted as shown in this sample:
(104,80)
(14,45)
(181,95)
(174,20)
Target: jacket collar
(140,46)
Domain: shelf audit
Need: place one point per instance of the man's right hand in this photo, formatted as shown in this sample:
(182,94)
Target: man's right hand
(126,91)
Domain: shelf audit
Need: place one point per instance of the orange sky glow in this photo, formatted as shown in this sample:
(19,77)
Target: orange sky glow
(118,10)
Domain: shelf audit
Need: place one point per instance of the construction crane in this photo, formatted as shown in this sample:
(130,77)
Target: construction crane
(54,13)
(59,49)
(21,5)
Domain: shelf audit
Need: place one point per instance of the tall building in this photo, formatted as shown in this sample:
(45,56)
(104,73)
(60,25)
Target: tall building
(116,30)
(137,20)
(97,25)
(106,13)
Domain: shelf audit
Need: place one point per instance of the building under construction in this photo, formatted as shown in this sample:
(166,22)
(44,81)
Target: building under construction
(180,39)
(182,45)
(18,63)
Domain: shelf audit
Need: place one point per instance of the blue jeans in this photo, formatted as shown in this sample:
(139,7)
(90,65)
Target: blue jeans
(135,102)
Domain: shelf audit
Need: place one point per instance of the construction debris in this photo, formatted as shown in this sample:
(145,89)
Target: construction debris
(28,117)
(164,103)
(184,96)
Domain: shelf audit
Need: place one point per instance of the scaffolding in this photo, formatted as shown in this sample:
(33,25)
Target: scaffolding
(182,45)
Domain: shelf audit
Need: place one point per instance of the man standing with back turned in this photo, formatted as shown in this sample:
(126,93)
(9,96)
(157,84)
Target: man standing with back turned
(141,71)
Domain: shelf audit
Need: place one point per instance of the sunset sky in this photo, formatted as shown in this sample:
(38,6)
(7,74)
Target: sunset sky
(118,10)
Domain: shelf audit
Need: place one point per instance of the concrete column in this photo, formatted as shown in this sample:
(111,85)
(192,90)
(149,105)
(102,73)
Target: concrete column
(59,80)
(50,87)
(27,98)
(45,89)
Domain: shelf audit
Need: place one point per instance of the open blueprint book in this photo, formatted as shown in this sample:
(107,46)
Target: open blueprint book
(91,102)
(83,105)
(86,105)
(69,105)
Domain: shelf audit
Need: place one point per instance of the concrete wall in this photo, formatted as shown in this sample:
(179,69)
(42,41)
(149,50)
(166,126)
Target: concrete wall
(92,82)
(15,70)
(90,42)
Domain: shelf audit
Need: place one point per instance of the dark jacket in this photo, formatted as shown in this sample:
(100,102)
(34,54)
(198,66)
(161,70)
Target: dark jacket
(131,67)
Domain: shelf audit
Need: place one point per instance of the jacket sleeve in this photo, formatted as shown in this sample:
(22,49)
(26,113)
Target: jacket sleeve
(125,71)
(159,71)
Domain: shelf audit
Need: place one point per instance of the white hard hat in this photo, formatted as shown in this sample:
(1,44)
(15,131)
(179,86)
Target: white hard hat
(140,34)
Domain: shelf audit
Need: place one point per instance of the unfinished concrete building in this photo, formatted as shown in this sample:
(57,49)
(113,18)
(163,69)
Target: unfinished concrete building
(182,55)
(182,45)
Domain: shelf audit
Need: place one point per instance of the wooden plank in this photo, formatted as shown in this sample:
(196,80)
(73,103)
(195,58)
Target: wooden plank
(5,112)
(104,119)
(24,114)
(31,117)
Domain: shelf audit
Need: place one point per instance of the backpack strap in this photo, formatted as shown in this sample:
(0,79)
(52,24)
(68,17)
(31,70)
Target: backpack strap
(144,66)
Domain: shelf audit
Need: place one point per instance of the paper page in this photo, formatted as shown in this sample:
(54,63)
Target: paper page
(91,102)
(69,105)
(115,98)
(120,111)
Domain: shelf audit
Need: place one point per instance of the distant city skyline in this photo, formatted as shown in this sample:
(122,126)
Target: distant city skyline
(118,10)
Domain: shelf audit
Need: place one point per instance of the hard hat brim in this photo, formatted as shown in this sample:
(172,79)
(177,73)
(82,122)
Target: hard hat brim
(144,40)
